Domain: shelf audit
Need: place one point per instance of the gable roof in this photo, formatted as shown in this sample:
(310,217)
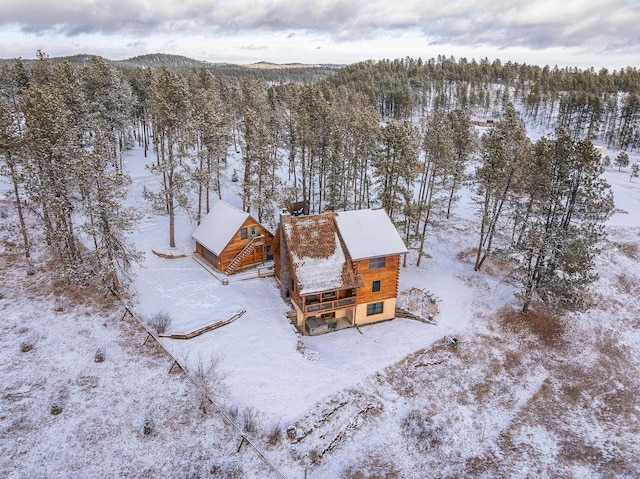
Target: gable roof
(218,227)
(318,258)
(369,234)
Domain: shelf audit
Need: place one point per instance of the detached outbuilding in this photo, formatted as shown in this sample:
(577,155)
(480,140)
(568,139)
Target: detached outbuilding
(230,239)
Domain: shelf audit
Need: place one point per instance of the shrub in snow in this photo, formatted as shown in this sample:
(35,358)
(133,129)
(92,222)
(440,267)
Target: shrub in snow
(233,411)
(220,469)
(99,357)
(31,270)
(292,432)
(420,426)
(373,467)
(60,305)
(250,419)
(160,322)
(56,409)
(274,436)
(147,426)
(209,378)
(26,345)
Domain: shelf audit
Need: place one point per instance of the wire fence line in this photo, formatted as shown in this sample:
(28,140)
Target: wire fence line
(190,376)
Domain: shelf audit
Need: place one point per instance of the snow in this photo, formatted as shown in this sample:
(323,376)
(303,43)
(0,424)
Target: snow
(500,403)
(369,234)
(316,254)
(317,275)
(217,228)
(265,369)
(259,349)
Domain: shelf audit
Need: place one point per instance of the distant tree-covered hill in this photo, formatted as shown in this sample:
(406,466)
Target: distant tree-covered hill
(265,71)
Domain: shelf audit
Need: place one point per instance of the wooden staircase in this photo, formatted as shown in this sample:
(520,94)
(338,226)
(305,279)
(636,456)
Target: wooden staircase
(246,251)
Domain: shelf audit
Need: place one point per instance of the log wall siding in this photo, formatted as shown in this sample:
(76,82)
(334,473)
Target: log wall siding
(257,256)
(388,277)
(277,256)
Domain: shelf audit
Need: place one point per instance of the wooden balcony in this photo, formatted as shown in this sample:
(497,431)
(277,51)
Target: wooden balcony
(327,306)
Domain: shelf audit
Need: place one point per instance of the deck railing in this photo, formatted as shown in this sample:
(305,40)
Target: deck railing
(327,305)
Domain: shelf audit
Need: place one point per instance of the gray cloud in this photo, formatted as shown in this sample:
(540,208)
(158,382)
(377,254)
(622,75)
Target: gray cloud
(254,47)
(602,25)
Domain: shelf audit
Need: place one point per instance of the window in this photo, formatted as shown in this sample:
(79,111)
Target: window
(374,308)
(254,231)
(244,233)
(330,296)
(377,263)
(375,286)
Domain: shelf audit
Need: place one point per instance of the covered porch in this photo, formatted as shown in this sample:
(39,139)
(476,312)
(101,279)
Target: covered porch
(315,325)
(322,313)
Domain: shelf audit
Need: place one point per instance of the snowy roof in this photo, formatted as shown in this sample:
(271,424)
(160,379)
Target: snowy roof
(216,230)
(369,233)
(317,255)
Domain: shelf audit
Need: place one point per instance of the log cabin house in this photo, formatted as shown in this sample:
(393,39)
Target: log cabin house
(230,239)
(338,269)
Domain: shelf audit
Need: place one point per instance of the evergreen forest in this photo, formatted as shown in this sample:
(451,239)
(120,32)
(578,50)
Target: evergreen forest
(400,134)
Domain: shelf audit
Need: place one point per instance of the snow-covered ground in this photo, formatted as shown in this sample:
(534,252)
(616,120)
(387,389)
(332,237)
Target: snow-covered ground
(390,401)
(265,369)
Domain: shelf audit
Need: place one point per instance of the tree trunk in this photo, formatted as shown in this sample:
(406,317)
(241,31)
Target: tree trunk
(23,228)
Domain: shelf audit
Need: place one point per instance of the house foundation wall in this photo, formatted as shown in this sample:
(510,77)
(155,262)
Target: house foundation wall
(388,312)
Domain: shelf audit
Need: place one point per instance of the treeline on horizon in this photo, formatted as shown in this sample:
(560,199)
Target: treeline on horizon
(396,134)
(602,104)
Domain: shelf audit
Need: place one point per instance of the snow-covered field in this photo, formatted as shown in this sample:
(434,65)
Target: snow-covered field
(538,398)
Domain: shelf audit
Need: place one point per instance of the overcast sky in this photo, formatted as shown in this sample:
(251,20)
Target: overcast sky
(582,33)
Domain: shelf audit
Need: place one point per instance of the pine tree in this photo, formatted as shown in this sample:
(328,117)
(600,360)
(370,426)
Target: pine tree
(505,150)
(212,126)
(259,184)
(621,161)
(316,122)
(570,203)
(54,122)
(396,167)
(173,142)
(74,125)
(142,81)
(465,143)
(11,165)
(439,148)
(362,129)
(101,179)
(109,100)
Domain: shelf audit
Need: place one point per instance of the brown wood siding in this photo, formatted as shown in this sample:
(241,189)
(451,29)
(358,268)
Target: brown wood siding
(259,254)
(198,248)
(275,250)
(388,277)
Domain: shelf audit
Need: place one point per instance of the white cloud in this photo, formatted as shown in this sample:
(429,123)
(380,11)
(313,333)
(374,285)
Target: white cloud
(603,30)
